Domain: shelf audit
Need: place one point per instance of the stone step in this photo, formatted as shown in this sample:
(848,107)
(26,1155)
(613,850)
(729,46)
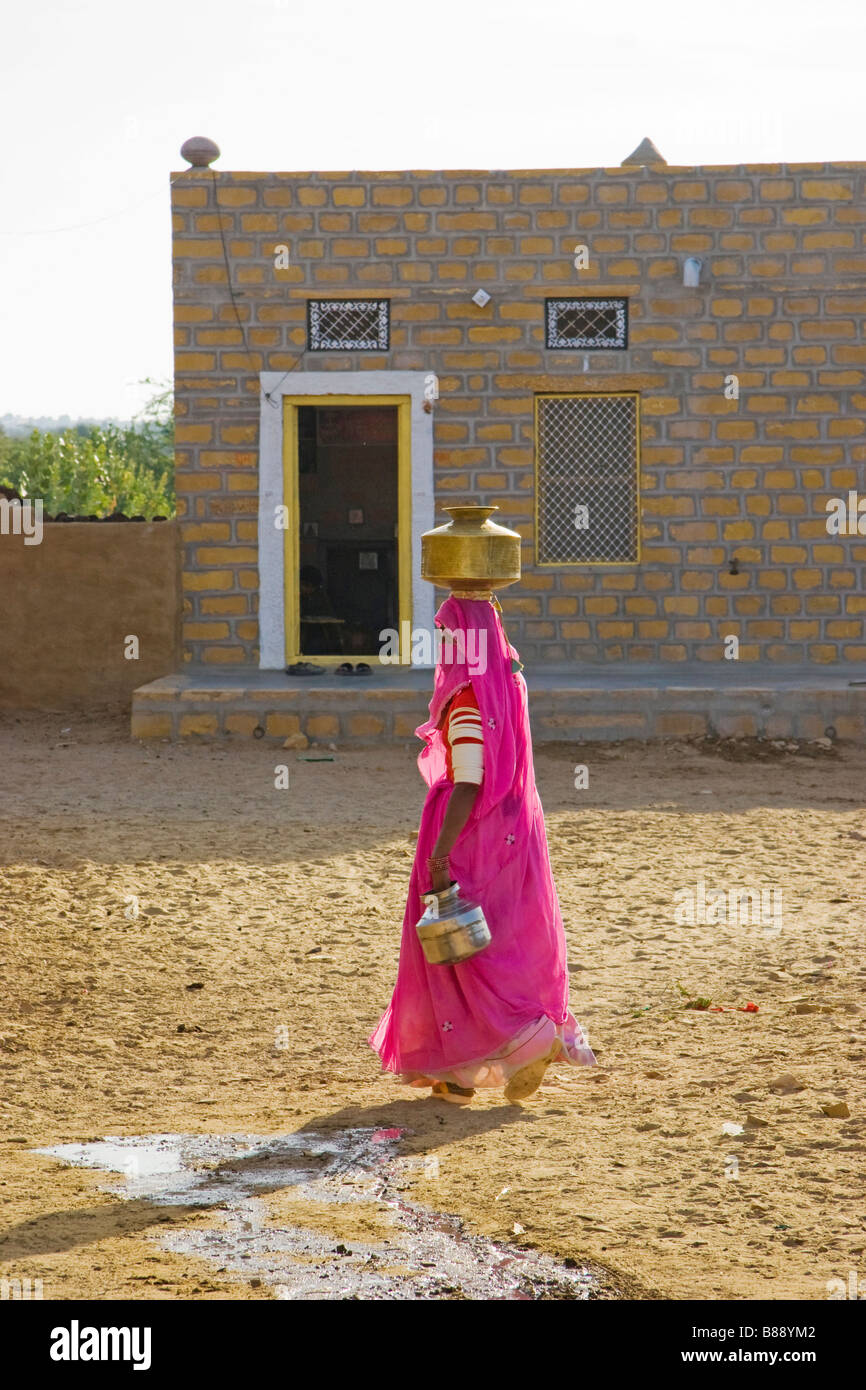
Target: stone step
(565,704)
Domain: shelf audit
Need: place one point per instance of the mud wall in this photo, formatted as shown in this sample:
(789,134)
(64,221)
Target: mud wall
(70,604)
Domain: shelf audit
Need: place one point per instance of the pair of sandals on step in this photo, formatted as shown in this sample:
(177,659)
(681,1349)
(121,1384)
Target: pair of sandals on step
(308,668)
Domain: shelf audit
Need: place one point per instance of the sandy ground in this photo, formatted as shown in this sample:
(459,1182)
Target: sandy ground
(285,905)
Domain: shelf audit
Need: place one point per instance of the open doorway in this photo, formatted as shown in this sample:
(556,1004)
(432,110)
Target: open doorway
(347,561)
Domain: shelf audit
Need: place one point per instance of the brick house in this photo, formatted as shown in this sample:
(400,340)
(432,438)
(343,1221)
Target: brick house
(656,373)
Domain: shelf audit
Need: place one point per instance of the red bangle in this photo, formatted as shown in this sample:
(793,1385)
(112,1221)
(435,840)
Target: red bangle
(442,862)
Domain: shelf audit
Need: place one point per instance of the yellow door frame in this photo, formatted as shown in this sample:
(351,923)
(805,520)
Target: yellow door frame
(291,495)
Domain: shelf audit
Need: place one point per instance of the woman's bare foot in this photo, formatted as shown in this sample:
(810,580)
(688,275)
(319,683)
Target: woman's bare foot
(527,1080)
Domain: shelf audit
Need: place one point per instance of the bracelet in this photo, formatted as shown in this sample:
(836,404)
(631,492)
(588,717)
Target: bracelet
(435,864)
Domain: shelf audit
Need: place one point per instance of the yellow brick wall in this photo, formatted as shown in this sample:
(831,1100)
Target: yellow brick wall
(780,306)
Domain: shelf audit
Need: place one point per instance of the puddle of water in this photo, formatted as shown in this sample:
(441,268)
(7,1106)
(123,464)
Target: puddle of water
(427,1257)
(201,1170)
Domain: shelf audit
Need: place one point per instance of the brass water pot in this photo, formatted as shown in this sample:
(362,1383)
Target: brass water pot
(470,552)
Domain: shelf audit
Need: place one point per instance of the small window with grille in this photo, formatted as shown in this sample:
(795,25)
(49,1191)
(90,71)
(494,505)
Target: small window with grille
(348,325)
(586,323)
(586,462)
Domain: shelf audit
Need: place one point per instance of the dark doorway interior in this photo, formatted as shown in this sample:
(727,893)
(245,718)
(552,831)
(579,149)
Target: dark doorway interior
(348,490)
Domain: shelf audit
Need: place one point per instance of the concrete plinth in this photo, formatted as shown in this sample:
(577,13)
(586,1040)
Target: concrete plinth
(583,705)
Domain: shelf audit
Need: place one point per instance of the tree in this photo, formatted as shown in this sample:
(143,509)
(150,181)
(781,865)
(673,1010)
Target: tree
(103,470)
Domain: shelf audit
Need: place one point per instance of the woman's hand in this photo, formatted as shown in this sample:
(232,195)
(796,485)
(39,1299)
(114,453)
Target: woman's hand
(441,879)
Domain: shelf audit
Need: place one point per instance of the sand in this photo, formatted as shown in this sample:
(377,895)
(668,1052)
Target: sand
(285,905)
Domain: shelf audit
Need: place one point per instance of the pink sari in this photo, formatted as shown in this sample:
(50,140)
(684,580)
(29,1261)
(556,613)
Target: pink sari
(476,1023)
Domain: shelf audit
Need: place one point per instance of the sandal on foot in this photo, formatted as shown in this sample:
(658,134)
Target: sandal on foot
(457,1095)
(527,1080)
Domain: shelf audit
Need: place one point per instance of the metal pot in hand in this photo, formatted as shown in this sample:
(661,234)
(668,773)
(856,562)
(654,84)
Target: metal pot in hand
(452,929)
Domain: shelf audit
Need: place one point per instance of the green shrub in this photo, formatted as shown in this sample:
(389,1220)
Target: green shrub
(101,470)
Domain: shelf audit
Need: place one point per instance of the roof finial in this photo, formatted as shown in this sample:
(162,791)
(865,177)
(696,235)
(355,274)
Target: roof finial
(646,153)
(199,151)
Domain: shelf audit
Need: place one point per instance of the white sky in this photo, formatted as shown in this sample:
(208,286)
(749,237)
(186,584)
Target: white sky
(96,97)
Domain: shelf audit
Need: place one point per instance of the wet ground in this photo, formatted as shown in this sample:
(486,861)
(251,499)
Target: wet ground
(427,1255)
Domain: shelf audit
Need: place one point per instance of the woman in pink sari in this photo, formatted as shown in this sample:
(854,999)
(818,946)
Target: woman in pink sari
(501,1017)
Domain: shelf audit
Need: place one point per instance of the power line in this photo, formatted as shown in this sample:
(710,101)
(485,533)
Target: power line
(109,216)
(240,322)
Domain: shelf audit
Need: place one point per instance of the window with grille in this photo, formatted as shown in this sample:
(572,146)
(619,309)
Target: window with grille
(587,479)
(586,323)
(348,325)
